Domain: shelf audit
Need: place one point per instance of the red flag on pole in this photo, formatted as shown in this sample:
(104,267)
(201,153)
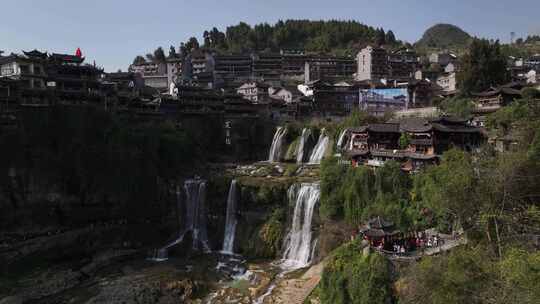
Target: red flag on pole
(78,53)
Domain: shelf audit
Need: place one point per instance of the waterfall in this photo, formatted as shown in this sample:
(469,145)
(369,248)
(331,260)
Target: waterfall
(230,225)
(195,213)
(298,243)
(277,142)
(341,138)
(194,220)
(320,149)
(306,133)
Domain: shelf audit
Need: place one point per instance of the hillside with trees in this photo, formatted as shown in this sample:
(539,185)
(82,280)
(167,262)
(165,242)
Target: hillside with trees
(492,198)
(317,36)
(444,36)
(334,36)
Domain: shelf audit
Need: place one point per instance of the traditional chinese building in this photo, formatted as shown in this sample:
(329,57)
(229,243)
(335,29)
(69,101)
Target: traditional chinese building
(233,68)
(493,99)
(334,99)
(413,142)
(267,67)
(294,64)
(329,68)
(44,79)
(402,64)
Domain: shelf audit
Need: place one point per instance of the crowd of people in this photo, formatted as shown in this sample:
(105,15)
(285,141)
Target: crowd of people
(404,243)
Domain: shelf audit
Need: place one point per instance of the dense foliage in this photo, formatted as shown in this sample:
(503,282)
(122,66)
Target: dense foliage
(482,67)
(494,198)
(458,107)
(333,36)
(473,275)
(351,277)
(320,36)
(357,194)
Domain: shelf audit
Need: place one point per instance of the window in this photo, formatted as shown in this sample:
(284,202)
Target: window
(25,69)
(7,70)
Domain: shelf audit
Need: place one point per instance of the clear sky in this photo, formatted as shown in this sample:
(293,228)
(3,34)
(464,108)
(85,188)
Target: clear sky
(113,32)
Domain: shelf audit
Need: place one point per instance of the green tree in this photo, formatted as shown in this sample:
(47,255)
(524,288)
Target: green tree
(483,66)
(381,37)
(458,107)
(139,60)
(404,140)
(172,52)
(448,190)
(354,278)
(159,55)
(390,38)
(192,44)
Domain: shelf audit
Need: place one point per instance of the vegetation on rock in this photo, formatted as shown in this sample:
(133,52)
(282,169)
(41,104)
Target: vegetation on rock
(352,277)
(357,194)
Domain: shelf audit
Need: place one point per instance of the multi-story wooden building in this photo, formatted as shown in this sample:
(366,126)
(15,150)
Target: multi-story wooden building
(45,79)
(329,68)
(294,64)
(233,68)
(414,142)
(267,67)
(402,64)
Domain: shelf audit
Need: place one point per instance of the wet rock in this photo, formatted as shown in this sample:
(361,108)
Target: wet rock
(11,300)
(48,283)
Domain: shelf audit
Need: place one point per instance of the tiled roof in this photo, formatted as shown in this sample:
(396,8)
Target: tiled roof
(379,223)
(413,124)
(384,128)
(455,128)
(498,91)
(361,129)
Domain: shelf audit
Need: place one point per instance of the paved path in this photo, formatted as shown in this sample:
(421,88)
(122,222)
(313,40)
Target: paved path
(295,291)
(449,244)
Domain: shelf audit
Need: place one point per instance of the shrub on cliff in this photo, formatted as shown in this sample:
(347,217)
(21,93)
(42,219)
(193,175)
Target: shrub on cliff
(357,194)
(473,275)
(352,277)
(265,240)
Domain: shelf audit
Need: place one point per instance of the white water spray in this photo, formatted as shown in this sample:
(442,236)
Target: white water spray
(194,222)
(306,133)
(298,243)
(341,138)
(277,143)
(320,149)
(231,221)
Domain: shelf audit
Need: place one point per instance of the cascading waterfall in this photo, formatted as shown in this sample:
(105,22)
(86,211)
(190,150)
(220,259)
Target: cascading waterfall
(298,243)
(341,138)
(320,149)
(299,247)
(195,219)
(195,213)
(277,143)
(231,221)
(306,133)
